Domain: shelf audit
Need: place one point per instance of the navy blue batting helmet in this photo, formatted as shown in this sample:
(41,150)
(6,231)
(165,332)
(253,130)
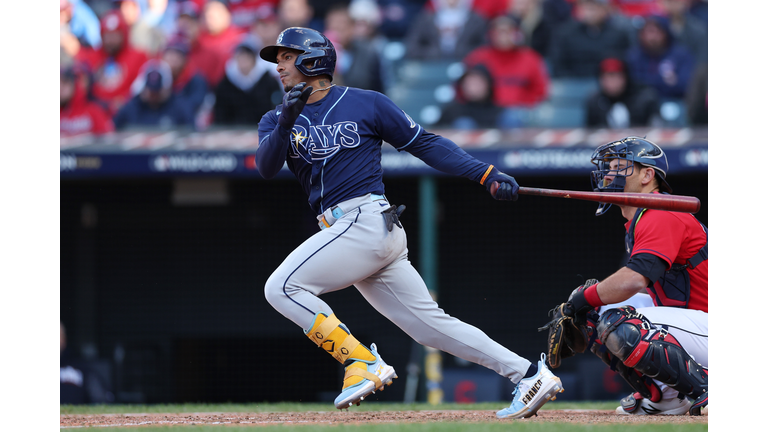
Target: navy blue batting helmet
(631,150)
(318,56)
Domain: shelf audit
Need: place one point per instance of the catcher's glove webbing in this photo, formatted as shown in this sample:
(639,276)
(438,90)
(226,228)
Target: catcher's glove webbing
(567,331)
(565,337)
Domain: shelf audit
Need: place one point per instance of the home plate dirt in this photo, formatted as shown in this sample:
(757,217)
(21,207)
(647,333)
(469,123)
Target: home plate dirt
(351,417)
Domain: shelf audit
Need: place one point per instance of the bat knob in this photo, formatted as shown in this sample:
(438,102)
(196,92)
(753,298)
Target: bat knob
(494,188)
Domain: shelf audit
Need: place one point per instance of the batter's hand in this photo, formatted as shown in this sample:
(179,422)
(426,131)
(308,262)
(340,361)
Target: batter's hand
(501,186)
(293,103)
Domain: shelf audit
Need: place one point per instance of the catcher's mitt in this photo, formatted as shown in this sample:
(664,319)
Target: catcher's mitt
(566,337)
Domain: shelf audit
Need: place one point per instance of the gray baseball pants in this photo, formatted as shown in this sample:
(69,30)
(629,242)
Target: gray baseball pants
(356,249)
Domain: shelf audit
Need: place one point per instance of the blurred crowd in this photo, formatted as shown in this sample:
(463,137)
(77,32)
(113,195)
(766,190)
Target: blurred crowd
(195,63)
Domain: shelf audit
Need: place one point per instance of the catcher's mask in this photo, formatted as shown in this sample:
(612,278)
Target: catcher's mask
(627,152)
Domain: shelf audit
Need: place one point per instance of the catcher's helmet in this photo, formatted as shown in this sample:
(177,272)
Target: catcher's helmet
(318,56)
(632,150)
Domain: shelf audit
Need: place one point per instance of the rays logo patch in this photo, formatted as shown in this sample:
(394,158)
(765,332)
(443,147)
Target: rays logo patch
(323,141)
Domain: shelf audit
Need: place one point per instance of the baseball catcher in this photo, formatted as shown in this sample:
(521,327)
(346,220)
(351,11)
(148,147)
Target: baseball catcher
(648,321)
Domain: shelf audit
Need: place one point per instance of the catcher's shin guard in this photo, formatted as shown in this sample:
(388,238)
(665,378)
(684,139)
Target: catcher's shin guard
(647,388)
(655,353)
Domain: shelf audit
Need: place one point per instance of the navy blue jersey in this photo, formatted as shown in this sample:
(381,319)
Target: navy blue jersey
(334,148)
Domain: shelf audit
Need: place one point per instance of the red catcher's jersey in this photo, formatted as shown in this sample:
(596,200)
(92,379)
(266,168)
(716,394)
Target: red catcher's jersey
(674,237)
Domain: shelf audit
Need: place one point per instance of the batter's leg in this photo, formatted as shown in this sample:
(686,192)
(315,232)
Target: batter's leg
(399,293)
(335,258)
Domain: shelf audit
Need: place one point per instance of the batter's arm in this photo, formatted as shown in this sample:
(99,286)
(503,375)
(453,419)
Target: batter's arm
(444,155)
(273,146)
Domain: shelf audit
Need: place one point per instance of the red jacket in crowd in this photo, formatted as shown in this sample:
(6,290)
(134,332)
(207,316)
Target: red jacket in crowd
(81,115)
(520,76)
(113,74)
(209,62)
(223,43)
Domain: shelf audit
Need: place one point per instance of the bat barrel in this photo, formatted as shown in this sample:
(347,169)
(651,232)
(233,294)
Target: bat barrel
(677,203)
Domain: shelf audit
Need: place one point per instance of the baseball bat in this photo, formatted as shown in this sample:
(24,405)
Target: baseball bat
(676,203)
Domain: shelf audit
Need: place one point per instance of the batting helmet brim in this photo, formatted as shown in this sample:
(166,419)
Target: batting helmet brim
(269,53)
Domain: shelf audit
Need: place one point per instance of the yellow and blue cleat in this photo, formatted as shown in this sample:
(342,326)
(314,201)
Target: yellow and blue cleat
(363,378)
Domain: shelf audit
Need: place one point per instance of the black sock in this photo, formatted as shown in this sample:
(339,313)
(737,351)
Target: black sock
(532,369)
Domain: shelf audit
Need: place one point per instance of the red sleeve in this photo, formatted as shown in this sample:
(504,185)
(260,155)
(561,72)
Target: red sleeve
(474,57)
(659,233)
(89,56)
(102,122)
(539,80)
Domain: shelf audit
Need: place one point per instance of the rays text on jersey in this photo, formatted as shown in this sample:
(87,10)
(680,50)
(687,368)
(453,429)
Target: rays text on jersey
(323,141)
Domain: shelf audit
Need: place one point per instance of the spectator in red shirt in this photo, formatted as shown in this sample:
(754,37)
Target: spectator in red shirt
(636,7)
(208,61)
(78,114)
(115,64)
(490,9)
(217,32)
(519,73)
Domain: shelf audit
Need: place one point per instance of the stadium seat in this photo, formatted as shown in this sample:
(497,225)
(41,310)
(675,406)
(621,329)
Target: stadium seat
(429,73)
(414,88)
(549,115)
(674,113)
(571,91)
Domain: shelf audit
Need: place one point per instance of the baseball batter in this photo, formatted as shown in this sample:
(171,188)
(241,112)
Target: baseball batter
(330,137)
(651,315)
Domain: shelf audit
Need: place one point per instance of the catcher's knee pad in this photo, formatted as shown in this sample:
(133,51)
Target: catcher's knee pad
(328,333)
(639,382)
(653,352)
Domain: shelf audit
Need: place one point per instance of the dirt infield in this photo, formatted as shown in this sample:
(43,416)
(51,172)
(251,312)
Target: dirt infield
(347,417)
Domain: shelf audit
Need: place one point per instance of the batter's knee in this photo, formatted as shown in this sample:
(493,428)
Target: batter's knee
(273,291)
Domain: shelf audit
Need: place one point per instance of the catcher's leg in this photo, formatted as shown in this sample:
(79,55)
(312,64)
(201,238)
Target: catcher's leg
(655,353)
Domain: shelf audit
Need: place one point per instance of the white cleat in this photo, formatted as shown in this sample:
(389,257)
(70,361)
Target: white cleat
(635,404)
(532,393)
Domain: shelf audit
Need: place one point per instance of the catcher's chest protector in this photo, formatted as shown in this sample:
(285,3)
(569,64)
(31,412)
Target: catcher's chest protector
(673,289)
